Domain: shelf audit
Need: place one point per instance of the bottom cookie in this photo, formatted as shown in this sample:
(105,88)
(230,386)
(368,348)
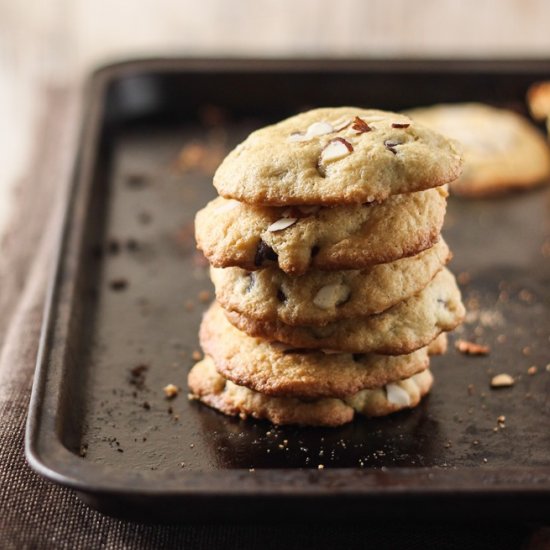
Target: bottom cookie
(212,389)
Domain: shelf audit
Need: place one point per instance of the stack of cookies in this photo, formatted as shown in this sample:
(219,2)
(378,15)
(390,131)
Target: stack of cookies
(329,269)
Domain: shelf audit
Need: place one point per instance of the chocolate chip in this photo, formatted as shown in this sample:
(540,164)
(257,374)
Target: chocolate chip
(281,296)
(251,281)
(359,356)
(264,252)
(390,146)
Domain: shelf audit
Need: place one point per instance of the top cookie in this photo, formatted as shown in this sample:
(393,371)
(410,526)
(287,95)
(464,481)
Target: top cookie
(502,150)
(343,155)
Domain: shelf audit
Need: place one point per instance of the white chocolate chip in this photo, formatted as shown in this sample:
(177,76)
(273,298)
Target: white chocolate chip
(332,295)
(502,381)
(335,150)
(397,395)
(227,206)
(281,224)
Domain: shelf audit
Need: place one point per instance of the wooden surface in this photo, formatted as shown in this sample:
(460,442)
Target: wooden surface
(47,47)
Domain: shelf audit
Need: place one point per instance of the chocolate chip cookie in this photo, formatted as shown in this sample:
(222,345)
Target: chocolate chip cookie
(232,234)
(320,297)
(337,156)
(404,328)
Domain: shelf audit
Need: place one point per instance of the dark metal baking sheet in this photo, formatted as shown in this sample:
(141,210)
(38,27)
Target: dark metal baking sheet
(125,305)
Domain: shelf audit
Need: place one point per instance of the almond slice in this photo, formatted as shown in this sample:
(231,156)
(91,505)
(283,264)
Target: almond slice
(319,129)
(341,125)
(336,149)
(229,205)
(281,224)
(314,130)
(332,295)
(397,395)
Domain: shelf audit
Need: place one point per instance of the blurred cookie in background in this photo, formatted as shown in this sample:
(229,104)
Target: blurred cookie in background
(502,150)
(538,99)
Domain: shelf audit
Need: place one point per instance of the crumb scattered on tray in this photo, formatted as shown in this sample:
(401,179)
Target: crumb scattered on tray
(463,278)
(502,381)
(204,296)
(119,284)
(170,391)
(137,376)
(196,355)
(532,370)
(471,348)
(136,180)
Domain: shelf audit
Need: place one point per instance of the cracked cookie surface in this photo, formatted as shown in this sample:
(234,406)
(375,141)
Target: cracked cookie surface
(342,155)
(279,370)
(232,234)
(401,329)
(320,297)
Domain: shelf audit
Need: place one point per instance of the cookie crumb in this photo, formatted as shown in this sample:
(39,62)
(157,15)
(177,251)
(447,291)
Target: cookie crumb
(463,278)
(471,348)
(204,296)
(321,467)
(532,370)
(118,284)
(526,351)
(170,391)
(196,355)
(251,470)
(189,305)
(502,381)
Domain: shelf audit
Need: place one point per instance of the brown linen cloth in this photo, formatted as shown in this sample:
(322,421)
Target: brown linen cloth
(35,513)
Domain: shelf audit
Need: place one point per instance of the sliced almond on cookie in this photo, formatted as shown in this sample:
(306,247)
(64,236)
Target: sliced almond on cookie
(281,224)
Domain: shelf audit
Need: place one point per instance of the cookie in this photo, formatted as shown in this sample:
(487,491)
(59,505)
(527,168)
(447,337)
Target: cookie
(336,156)
(278,370)
(404,328)
(502,150)
(232,234)
(538,99)
(317,297)
(212,389)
